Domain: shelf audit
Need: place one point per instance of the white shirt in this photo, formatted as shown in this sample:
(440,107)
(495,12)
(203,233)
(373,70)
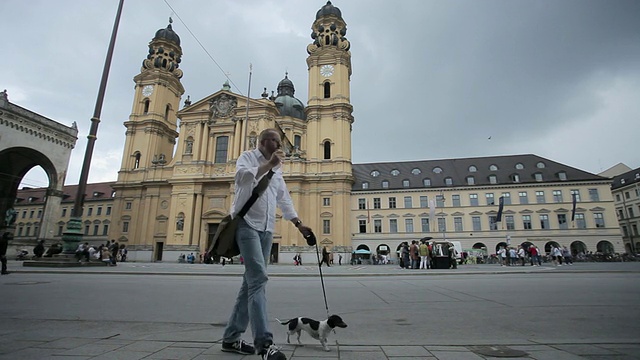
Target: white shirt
(262,215)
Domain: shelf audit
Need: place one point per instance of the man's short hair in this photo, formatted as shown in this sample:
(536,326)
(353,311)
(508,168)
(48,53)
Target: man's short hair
(264,133)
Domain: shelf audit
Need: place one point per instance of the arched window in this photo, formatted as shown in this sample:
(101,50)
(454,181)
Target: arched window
(297,142)
(146,107)
(327,90)
(136,163)
(166,112)
(327,150)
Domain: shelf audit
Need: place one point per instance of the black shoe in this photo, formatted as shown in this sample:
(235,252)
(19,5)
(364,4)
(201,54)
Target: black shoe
(272,353)
(240,347)
(5,273)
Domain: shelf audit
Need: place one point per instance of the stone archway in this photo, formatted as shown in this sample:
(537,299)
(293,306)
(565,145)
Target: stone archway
(605,247)
(30,140)
(578,247)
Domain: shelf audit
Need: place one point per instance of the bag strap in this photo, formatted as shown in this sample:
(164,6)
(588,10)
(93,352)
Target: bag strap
(255,194)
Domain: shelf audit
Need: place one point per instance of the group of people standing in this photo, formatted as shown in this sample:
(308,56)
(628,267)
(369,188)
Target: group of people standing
(512,256)
(420,254)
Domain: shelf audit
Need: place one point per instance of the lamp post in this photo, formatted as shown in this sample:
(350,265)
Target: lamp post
(73,235)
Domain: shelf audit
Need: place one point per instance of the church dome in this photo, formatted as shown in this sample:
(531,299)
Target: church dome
(328,9)
(286,103)
(168,34)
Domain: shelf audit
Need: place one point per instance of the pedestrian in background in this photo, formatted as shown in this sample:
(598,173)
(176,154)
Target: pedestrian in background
(4,243)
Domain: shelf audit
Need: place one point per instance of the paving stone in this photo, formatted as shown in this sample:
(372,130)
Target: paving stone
(171,353)
(88,350)
(315,351)
(582,349)
(122,355)
(456,355)
(405,351)
(66,343)
(147,346)
(553,355)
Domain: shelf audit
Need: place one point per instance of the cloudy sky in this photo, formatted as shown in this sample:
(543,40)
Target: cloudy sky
(432,79)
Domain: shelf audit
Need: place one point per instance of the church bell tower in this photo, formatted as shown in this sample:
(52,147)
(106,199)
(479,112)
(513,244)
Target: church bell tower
(329,119)
(151,129)
(329,110)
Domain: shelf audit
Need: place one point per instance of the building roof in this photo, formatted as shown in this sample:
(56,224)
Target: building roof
(94,192)
(626,179)
(168,34)
(458,170)
(286,103)
(615,170)
(328,9)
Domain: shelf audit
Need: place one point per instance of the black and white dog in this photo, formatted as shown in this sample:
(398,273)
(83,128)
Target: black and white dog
(318,330)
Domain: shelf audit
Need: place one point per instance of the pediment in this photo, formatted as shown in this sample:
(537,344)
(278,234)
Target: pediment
(458,213)
(491,212)
(377,216)
(526,211)
(214,214)
(561,210)
(424,214)
(326,241)
(543,211)
(597,208)
(508,212)
(204,106)
(393,215)
(326,214)
(409,215)
(475,213)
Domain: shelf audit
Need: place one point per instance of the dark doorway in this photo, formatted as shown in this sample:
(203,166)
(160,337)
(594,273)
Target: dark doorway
(159,249)
(275,248)
(212,231)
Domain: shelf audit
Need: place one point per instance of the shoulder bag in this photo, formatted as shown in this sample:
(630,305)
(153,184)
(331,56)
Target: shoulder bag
(224,241)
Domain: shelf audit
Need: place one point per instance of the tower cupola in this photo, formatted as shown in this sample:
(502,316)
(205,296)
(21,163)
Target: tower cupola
(286,103)
(165,52)
(329,30)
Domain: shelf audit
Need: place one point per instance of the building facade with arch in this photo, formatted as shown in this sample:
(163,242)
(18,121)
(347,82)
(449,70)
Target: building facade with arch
(27,140)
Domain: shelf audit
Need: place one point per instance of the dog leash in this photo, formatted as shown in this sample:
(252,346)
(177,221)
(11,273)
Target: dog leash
(324,293)
(311,239)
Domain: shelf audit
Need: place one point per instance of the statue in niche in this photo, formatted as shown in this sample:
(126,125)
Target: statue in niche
(252,142)
(180,224)
(10,216)
(189,147)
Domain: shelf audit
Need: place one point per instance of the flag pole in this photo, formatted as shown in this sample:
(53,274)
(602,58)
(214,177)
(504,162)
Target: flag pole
(246,122)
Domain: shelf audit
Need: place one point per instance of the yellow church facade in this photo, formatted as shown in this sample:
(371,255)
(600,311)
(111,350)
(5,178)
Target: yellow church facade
(176,180)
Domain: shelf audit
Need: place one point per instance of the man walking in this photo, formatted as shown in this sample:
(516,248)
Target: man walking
(4,243)
(254,236)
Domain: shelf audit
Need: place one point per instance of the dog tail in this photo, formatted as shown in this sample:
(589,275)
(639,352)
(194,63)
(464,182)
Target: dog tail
(283,322)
